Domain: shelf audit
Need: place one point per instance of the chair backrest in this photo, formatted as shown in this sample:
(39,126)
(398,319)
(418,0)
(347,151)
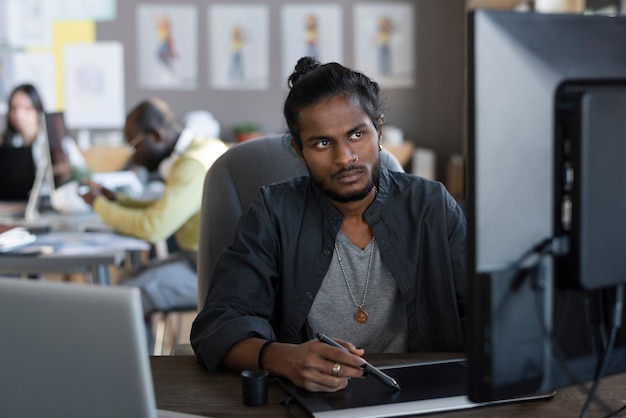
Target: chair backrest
(230,186)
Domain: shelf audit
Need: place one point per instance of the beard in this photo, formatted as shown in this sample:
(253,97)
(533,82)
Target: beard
(152,158)
(153,164)
(352,196)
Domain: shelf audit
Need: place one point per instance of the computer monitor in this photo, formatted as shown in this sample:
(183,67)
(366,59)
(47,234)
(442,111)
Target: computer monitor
(54,170)
(546,200)
(57,132)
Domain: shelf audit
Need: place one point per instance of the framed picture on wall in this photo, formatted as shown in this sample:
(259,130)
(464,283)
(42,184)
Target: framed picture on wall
(384,42)
(167,45)
(238,47)
(99,10)
(93,80)
(37,68)
(311,30)
(26,23)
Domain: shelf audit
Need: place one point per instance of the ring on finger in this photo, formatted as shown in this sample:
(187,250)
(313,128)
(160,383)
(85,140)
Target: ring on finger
(336,369)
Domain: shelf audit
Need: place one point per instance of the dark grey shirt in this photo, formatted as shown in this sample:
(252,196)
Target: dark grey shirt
(333,310)
(265,283)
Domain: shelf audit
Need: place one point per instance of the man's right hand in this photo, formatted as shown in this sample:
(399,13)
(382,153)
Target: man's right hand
(313,365)
(90,191)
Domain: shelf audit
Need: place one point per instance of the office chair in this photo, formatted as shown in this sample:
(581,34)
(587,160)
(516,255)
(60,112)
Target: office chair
(230,186)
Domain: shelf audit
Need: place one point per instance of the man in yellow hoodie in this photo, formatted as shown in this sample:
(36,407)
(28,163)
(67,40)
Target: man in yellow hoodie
(182,159)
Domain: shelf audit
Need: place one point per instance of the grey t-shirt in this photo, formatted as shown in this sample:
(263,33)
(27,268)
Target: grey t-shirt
(333,310)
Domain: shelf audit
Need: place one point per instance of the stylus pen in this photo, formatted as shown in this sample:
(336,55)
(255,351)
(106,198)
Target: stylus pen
(386,379)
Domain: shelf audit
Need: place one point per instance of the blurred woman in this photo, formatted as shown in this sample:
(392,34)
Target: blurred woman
(25,128)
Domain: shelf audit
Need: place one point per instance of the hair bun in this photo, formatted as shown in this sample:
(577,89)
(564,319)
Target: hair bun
(304,66)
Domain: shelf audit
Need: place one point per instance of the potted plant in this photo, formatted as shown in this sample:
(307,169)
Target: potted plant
(246,130)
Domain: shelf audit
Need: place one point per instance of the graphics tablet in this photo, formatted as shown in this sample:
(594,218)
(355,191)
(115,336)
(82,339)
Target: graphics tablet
(426,388)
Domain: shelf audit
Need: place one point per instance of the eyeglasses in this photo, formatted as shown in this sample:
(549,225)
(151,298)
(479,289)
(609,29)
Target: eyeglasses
(133,143)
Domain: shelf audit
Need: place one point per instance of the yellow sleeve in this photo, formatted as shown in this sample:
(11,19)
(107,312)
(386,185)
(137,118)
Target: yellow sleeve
(181,200)
(126,200)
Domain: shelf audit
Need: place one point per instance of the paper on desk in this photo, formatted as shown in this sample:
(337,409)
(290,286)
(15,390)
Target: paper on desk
(126,181)
(12,237)
(65,199)
(81,243)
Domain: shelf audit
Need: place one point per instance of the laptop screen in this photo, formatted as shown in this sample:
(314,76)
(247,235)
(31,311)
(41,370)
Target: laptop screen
(73,350)
(17,173)
(25,180)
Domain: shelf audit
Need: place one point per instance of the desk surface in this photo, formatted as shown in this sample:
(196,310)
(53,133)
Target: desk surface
(184,386)
(75,251)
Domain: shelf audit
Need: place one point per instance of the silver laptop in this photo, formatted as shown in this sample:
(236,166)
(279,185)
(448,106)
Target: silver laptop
(73,350)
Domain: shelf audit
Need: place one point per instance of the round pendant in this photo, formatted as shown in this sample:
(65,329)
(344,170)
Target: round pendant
(360,316)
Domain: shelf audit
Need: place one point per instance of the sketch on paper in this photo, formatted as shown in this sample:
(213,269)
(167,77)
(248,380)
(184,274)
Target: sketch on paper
(165,43)
(311,30)
(36,68)
(4,92)
(93,78)
(167,46)
(26,23)
(384,30)
(235,67)
(239,46)
(310,35)
(384,42)
(5,20)
(99,10)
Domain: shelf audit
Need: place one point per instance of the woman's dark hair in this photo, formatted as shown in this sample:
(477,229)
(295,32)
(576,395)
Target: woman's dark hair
(34,97)
(311,82)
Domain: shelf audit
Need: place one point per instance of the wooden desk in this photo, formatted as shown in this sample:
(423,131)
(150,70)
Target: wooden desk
(184,386)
